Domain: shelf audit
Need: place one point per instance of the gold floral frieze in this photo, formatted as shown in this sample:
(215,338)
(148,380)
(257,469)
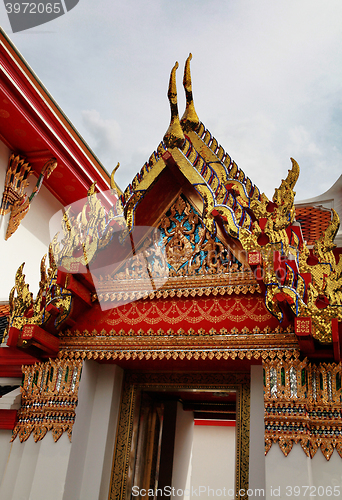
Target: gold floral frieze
(303,405)
(166,355)
(49,399)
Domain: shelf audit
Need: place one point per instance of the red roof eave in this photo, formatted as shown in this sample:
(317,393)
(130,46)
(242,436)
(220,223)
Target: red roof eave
(43,120)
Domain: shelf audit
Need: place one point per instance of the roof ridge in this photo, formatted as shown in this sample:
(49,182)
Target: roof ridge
(233,171)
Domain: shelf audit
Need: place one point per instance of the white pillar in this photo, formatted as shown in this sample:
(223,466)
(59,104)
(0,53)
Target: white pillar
(64,470)
(11,471)
(327,473)
(51,467)
(94,433)
(10,401)
(257,432)
(5,448)
(102,433)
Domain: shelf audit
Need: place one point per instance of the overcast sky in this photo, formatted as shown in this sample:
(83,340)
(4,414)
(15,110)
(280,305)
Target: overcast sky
(267,77)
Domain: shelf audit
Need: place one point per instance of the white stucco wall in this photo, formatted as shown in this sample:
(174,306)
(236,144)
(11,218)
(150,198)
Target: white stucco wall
(297,476)
(213,462)
(68,471)
(203,460)
(181,472)
(31,240)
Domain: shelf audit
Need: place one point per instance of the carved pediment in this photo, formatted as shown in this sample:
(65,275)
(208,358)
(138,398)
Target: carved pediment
(190,248)
(180,257)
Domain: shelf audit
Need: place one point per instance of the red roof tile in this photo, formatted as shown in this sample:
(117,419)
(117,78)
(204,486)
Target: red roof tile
(314,221)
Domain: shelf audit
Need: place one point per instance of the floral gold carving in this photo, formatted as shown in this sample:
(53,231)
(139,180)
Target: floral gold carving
(14,198)
(49,399)
(303,405)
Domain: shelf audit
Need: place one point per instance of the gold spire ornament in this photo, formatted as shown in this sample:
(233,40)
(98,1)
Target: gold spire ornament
(174,135)
(190,120)
(14,199)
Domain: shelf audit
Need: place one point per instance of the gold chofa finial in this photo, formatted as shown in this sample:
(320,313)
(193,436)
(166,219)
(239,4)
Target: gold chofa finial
(113,184)
(190,119)
(174,135)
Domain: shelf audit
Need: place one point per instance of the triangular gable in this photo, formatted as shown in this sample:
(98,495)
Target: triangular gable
(179,256)
(297,282)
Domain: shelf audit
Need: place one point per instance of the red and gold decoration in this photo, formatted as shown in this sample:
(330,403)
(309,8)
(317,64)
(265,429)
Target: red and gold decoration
(303,405)
(49,399)
(14,198)
(223,273)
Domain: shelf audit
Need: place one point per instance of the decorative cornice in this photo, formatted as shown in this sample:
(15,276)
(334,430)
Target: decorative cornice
(176,345)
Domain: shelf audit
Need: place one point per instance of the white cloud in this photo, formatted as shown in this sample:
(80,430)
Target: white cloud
(106,135)
(301,143)
(266,80)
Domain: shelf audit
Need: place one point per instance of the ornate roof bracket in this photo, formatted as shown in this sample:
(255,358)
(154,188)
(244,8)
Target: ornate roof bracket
(14,199)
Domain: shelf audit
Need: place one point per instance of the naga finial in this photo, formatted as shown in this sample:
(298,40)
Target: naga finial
(174,134)
(113,184)
(190,119)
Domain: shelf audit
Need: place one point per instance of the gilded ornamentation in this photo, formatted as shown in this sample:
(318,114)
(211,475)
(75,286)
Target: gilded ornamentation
(226,192)
(113,353)
(174,135)
(16,181)
(183,249)
(135,383)
(14,199)
(263,334)
(24,310)
(286,260)
(113,184)
(190,119)
(135,274)
(303,405)
(214,311)
(110,290)
(324,295)
(49,399)
(187,241)
(306,282)
(83,235)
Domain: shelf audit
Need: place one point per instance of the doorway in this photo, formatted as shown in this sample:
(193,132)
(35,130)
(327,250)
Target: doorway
(152,455)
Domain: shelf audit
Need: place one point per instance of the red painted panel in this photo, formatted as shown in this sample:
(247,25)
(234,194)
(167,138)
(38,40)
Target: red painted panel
(8,419)
(183,316)
(215,423)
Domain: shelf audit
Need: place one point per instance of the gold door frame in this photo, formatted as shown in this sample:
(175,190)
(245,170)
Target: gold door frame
(136,382)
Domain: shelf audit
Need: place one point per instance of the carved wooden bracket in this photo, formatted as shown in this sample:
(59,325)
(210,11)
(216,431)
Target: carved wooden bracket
(14,199)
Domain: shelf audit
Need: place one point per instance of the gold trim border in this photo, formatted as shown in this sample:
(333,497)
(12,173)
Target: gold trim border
(135,382)
(166,355)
